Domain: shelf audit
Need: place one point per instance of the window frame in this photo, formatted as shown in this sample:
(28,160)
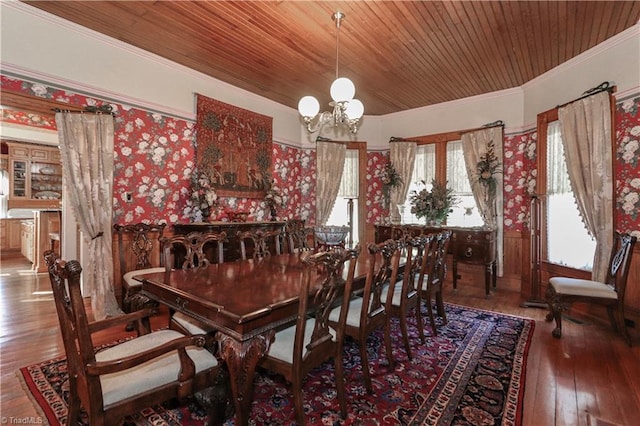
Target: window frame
(440,140)
(547,268)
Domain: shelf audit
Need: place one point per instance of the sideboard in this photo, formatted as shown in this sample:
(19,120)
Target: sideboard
(475,246)
(232,245)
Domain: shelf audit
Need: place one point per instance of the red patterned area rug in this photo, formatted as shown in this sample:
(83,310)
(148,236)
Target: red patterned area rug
(472,373)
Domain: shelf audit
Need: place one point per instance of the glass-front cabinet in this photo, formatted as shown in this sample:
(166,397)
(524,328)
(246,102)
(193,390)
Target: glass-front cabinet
(18,180)
(35,176)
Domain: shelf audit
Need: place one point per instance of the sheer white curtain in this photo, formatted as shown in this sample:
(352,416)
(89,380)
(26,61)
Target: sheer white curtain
(329,167)
(586,138)
(475,145)
(86,150)
(402,155)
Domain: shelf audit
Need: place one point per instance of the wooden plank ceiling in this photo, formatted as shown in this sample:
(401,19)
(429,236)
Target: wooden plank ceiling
(399,54)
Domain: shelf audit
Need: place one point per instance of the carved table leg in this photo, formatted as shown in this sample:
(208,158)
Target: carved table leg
(241,359)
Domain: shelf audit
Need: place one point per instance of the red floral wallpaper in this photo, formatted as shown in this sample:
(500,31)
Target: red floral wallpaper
(628,166)
(519,172)
(155,157)
(375,206)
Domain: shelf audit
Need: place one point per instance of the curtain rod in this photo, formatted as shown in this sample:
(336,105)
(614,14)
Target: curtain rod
(91,109)
(323,139)
(497,123)
(395,139)
(602,87)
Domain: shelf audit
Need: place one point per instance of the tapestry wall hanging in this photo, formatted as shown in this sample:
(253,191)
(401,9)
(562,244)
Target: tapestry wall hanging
(233,148)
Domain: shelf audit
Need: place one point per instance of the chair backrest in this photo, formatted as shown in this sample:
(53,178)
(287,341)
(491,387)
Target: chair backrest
(620,263)
(428,259)
(415,253)
(140,243)
(324,286)
(188,251)
(378,274)
(262,241)
(74,325)
(437,269)
(297,235)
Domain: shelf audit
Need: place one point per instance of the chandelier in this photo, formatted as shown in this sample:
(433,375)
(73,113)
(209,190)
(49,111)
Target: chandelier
(347,111)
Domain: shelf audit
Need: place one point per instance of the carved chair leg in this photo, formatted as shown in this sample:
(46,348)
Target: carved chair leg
(340,385)
(364,359)
(405,334)
(217,398)
(555,311)
(419,322)
(432,320)
(387,344)
(440,305)
(616,315)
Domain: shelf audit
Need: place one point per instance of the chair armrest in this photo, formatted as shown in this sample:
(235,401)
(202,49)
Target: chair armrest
(99,368)
(122,319)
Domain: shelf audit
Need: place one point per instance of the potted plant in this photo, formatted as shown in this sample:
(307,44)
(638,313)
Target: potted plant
(390,180)
(433,204)
(486,169)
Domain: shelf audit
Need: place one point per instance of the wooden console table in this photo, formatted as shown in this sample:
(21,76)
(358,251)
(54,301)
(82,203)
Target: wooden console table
(474,246)
(232,245)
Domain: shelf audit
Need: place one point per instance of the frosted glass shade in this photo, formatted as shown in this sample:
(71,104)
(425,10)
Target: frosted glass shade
(355,109)
(308,106)
(342,89)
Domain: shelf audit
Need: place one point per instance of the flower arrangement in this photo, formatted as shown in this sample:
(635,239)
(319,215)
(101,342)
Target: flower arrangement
(433,204)
(274,199)
(487,167)
(204,197)
(390,179)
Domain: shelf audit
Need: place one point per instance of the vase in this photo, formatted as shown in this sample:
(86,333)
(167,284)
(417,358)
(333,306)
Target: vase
(434,223)
(273,212)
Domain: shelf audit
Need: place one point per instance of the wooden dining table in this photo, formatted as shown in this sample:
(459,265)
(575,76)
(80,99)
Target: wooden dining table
(246,301)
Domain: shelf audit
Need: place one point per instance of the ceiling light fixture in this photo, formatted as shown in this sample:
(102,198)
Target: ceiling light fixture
(346,110)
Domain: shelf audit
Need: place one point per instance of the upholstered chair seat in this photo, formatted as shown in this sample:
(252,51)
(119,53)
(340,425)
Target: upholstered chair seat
(564,291)
(282,346)
(578,287)
(117,387)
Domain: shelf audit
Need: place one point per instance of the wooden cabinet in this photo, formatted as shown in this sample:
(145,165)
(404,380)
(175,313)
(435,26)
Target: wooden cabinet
(35,176)
(232,245)
(474,246)
(10,234)
(27,240)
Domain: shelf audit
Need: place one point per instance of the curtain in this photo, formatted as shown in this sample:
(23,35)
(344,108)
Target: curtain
(475,145)
(586,137)
(86,150)
(330,165)
(350,183)
(402,155)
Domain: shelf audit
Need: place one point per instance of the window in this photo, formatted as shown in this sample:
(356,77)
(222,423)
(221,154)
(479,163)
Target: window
(465,213)
(427,167)
(567,240)
(345,210)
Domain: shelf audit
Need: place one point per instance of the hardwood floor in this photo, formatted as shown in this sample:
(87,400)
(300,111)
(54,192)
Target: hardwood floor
(590,371)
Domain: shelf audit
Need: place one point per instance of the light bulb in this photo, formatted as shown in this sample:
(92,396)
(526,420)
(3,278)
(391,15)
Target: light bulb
(342,89)
(355,109)
(308,106)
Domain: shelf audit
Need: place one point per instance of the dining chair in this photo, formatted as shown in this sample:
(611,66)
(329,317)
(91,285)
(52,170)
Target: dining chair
(367,312)
(136,251)
(299,348)
(188,252)
(297,236)
(563,291)
(401,295)
(128,376)
(432,275)
(262,241)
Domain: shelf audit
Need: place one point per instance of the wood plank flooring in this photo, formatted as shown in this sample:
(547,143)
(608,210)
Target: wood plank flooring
(590,371)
